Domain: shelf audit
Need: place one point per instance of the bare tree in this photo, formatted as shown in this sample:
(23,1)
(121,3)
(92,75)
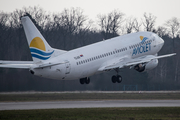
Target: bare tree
(3,28)
(39,14)
(173,27)
(149,21)
(161,31)
(36,12)
(3,22)
(73,20)
(3,18)
(129,25)
(137,25)
(110,23)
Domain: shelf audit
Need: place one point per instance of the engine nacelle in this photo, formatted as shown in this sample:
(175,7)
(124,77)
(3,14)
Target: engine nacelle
(148,66)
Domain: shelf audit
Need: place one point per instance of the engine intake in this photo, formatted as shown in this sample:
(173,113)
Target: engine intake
(148,66)
(139,67)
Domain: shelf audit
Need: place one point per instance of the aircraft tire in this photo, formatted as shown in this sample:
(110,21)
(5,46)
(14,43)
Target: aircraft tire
(114,79)
(87,80)
(82,81)
(119,78)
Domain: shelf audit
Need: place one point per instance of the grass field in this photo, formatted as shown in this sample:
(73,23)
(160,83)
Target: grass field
(162,113)
(153,113)
(86,96)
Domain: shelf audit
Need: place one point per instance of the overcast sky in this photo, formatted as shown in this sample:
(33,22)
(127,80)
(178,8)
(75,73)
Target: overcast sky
(162,9)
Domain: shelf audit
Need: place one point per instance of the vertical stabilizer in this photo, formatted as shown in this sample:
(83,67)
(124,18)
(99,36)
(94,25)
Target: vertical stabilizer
(40,49)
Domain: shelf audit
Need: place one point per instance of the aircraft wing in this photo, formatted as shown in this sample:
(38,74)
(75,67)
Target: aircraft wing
(131,62)
(16,64)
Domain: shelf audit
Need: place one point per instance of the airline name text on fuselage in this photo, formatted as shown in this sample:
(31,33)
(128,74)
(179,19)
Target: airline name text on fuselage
(142,49)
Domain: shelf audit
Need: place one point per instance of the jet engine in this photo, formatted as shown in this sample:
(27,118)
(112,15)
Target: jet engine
(146,66)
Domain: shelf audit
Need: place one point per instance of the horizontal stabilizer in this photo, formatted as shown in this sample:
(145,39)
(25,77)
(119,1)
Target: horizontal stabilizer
(48,64)
(16,64)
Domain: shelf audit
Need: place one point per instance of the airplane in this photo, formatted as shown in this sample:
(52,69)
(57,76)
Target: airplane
(136,50)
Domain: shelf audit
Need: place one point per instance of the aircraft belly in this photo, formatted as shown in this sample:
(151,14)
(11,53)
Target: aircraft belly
(82,71)
(53,72)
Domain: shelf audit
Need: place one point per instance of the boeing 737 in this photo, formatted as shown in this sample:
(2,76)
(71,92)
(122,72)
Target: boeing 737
(136,50)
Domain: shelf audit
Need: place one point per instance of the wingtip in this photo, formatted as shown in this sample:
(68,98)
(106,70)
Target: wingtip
(26,15)
(173,54)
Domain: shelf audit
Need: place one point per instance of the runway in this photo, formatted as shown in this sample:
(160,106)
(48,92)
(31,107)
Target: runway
(87,104)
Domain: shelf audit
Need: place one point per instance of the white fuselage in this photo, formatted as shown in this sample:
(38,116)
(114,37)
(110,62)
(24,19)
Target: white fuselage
(86,61)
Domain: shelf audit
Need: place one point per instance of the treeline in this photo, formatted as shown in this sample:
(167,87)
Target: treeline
(71,29)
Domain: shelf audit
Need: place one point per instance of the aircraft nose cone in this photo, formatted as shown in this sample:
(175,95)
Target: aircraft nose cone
(161,41)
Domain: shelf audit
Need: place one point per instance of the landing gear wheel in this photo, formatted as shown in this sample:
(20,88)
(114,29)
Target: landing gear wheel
(119,78)
(82,80)
(114,79)
(87,80)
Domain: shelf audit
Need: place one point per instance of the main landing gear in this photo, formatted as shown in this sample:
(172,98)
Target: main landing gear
(85,80)
(116,78)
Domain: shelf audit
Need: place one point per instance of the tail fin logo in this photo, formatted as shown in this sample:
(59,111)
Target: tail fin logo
(143,39)
(38,49)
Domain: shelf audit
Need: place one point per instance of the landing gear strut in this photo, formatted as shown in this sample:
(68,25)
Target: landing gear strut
(116,78)
(85,80)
